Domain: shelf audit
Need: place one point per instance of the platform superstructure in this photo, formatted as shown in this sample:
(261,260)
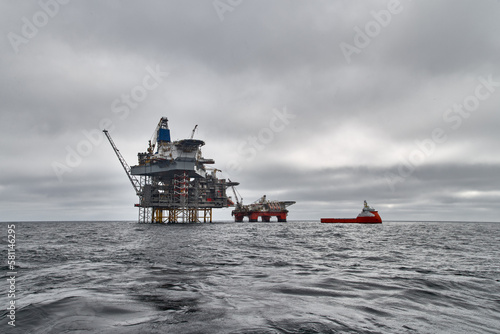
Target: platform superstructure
(172,180)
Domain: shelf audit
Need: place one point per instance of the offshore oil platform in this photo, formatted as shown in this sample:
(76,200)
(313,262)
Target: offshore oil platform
(172,182)
(261,208)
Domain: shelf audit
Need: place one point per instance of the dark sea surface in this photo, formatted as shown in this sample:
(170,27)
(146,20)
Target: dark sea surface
(295,277)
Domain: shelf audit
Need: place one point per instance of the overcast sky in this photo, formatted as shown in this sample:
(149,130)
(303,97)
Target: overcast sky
(327,103)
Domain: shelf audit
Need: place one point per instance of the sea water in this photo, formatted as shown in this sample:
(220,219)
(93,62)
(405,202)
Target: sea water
(295,277)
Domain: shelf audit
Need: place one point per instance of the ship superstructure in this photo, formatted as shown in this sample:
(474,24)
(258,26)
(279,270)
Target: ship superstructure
(172,182)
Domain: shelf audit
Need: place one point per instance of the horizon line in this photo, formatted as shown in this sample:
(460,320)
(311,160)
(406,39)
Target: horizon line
(232,221)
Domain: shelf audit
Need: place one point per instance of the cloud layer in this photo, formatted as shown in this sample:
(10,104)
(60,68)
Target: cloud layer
(406,118)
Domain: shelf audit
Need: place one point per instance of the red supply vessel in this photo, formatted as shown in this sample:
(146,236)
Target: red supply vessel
(367,216)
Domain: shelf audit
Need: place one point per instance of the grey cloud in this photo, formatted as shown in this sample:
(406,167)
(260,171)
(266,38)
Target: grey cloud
(228,76)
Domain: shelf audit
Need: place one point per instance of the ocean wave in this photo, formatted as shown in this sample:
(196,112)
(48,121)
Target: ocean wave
(297,277)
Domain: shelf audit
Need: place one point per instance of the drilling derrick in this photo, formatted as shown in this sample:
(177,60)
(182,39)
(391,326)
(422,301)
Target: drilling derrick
(174,185)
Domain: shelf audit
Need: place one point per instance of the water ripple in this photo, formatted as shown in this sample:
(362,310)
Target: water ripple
(298,277)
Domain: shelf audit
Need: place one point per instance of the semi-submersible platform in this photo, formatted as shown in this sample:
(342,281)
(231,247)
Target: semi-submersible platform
(263,208)
(174,185)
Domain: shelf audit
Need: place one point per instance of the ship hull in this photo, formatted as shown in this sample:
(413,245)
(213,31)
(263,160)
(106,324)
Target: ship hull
(358,220)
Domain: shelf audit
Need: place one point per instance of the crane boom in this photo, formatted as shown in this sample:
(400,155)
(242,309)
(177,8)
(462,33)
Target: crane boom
(192,133)
(135,183)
